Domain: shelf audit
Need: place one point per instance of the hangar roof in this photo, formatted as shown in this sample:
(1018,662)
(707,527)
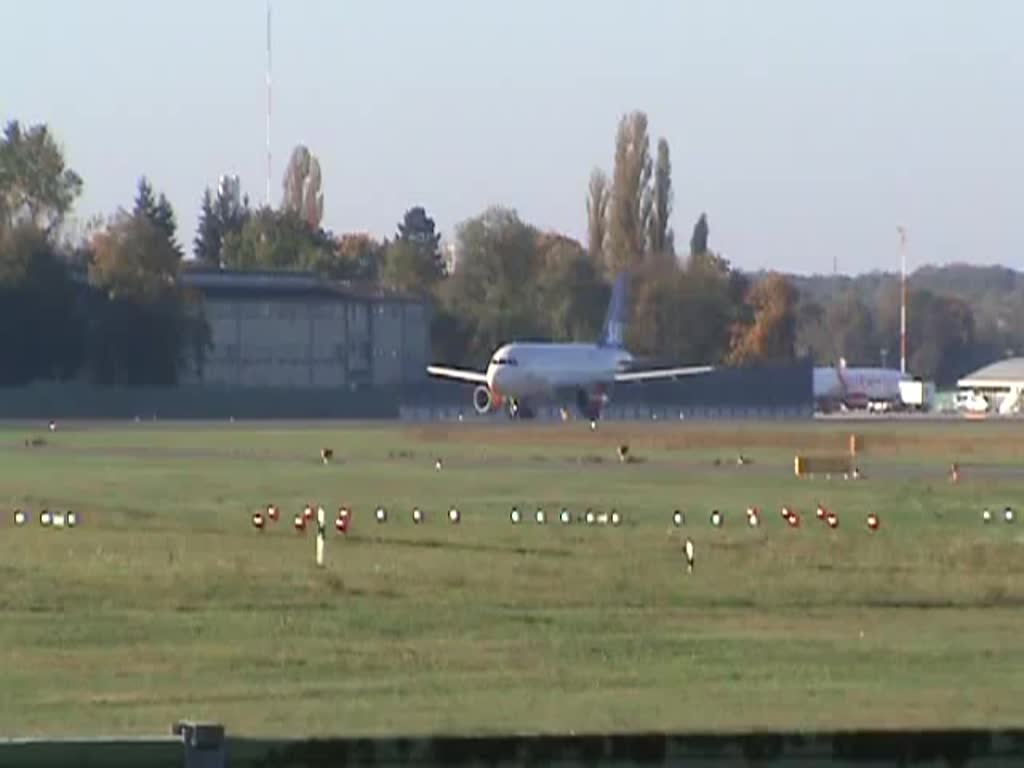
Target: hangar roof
(1002,374)
(245,284)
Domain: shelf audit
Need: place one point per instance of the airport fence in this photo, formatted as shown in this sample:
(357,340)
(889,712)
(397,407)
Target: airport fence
(755,392)
(197,745)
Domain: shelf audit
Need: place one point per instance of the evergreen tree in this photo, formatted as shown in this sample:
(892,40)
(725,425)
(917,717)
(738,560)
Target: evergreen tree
(158,211)
(413,262)
(207,245)
(699,238)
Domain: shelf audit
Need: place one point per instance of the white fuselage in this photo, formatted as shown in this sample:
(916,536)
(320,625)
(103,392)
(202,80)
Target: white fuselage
(866,384)
(524,370)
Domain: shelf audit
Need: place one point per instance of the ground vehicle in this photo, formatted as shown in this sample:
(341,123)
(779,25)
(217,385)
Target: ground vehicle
(917,395)
(970,401)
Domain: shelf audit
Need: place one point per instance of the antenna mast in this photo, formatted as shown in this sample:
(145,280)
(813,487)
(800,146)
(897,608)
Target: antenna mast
(903,299)
(268,103)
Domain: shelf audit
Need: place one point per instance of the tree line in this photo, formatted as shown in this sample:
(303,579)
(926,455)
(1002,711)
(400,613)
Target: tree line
(111,308)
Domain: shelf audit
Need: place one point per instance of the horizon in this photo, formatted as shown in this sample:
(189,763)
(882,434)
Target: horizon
(814,133)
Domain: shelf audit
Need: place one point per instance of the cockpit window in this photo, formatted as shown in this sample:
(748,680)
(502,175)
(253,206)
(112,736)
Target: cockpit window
(504,361)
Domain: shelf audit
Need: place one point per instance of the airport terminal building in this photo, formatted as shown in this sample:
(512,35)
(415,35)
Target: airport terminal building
(298,331)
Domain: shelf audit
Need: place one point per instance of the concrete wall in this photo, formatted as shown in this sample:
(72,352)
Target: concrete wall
(317,342)
(841,748)
(72,401)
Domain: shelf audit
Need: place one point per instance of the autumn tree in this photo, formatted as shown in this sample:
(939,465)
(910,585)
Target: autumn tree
(142,329)
(302,187)
(660,238)
(770,335)
(629,204)
(36,186)
(598,194)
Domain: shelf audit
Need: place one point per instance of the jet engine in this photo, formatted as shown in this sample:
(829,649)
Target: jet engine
(482,400)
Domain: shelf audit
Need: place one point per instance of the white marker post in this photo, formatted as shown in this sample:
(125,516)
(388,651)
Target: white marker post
(688,551)
(320,536)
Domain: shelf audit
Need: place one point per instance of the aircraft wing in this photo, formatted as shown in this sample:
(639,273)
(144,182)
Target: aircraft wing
(662,373)
(474,377)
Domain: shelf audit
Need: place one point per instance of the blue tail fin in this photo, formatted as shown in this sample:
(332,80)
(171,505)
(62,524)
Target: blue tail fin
(614,321)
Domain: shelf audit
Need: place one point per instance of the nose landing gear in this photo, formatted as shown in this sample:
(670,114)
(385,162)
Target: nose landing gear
(518,410)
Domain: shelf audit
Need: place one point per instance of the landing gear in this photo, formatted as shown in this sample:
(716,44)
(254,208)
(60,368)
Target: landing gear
(517,410)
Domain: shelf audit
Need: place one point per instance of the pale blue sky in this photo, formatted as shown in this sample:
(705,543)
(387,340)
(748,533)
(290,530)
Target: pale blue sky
(807,129)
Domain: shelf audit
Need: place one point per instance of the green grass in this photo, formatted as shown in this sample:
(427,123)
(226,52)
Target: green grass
(165,603)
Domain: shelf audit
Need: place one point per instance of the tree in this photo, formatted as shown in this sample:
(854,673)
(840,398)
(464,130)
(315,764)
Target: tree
(158,211)
(272,240)
(207,244)
(413,262)
(135,259)
(657,327)
(302,181)
(405,270)
(35,185)
(710,303)
(771,334)
(851,329)
(219,216)
(941,330)
(573,295)
(418,229)
(699,238)
(598,194)
(40,326)
(660,238)
(491,293)
(630,202)
(356,256)
(142,328)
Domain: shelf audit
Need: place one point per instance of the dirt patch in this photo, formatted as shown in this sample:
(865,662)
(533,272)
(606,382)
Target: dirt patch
(815,438)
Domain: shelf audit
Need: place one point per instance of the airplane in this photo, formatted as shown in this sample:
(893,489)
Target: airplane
(856,388)
(522,373)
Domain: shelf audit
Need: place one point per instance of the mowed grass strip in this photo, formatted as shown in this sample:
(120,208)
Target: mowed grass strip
(165,602)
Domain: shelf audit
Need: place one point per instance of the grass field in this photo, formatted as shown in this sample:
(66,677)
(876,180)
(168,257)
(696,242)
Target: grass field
(165,603)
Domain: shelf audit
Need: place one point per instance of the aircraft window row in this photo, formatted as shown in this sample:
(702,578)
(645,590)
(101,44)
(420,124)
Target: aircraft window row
(504,361)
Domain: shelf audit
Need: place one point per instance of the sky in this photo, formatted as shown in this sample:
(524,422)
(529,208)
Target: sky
(808,131)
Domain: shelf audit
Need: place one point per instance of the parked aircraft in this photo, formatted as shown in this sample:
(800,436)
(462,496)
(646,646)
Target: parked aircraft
(856,388)
(522,374)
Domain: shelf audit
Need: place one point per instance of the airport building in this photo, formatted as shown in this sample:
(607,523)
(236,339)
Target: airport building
(999,385)
(295,330)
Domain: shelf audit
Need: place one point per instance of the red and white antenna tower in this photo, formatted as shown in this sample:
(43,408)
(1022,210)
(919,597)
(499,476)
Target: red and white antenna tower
(903,299)
(268,103)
